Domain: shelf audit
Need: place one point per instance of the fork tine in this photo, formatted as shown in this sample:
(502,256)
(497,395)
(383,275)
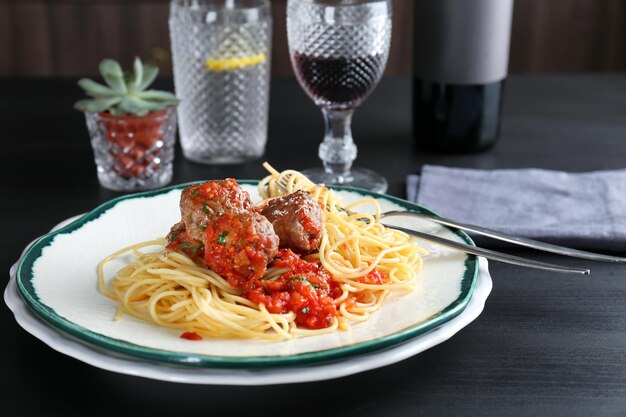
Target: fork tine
(282,183)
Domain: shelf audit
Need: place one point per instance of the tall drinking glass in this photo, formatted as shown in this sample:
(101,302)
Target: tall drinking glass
(221,54)
(338,51)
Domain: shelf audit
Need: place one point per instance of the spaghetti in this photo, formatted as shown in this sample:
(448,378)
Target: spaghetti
(358,263)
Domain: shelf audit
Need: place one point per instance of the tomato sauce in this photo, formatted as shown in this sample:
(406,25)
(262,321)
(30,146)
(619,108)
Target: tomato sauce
(307,289)
(191,336)
(311,227)
(375,277)
(235,250)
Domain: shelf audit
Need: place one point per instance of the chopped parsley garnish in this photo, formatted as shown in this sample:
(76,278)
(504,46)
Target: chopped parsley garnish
(187,246)
(174,236)
(205,207)
(305,310)
(221,239)
(202,228)
(196,248)
(303,280)
(196,193)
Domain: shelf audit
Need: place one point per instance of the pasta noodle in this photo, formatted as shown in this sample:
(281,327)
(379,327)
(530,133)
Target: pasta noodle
(167,288)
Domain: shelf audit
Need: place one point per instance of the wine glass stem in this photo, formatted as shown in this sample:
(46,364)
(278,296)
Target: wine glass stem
(338,150)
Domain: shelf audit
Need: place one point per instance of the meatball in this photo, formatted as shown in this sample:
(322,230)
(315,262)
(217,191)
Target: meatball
(201,203)
(297,220)
(238,247)
(179,241)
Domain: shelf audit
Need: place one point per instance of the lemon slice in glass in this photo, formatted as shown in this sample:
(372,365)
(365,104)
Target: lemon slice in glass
(230,64)
(236,51)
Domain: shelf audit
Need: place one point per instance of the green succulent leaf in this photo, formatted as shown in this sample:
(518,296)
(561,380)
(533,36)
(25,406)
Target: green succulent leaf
(164,96)
(95,89)
(113,75)
(135,105)
(125,93)
(101,104)
(129,80)
(116,111)
(116,83)
(110,66)
(137,72)
(81,105)
(150,73)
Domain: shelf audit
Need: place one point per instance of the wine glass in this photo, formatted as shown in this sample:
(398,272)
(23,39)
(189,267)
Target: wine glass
(338,50)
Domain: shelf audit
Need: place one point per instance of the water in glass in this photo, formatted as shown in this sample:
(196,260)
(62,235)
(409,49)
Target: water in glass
(221,53)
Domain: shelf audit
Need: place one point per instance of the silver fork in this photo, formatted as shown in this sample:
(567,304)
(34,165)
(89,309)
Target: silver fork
(491,254)
(505,237)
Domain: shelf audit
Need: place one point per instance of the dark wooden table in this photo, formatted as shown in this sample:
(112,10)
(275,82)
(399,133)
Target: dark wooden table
(546,344)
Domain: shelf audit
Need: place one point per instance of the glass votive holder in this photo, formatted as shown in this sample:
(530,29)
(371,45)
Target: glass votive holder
(133,153)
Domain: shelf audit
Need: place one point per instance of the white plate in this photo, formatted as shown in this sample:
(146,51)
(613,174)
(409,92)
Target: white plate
(84,313)
(257,376)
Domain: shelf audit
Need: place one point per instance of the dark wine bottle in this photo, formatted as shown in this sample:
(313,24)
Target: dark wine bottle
(456,117)
(460,66)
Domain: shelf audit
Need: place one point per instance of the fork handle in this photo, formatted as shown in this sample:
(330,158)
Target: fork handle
(522,241)
(491,254)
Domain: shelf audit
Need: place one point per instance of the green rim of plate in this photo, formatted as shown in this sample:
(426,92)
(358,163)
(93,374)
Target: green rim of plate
(25,275)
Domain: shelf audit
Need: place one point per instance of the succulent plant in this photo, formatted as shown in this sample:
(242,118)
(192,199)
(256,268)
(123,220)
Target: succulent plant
(125,93)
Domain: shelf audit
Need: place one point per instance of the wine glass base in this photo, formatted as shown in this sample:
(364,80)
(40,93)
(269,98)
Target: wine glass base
(358,177)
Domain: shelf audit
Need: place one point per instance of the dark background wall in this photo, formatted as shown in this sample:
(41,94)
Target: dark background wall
(69,37)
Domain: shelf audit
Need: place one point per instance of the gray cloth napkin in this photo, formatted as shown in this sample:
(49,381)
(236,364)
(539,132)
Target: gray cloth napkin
(583,210)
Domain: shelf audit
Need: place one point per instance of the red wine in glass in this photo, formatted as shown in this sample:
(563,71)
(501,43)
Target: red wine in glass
(338,83)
